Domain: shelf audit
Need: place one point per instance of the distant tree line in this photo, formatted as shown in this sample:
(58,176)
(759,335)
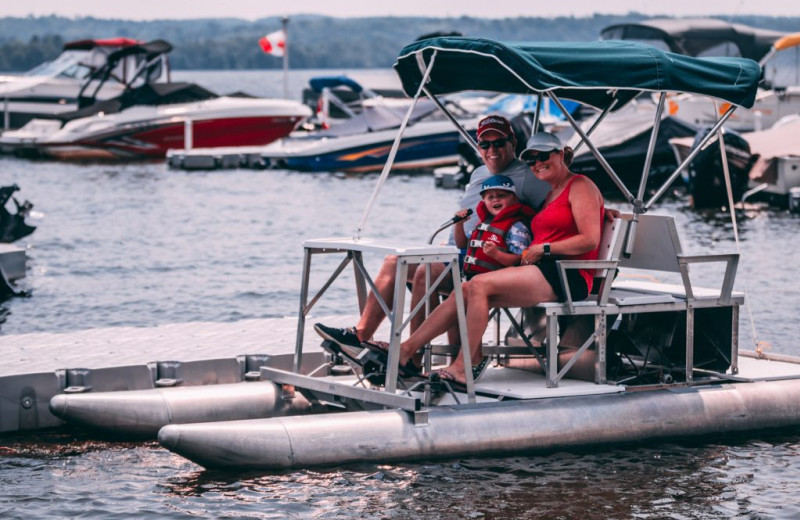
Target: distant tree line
(314,41)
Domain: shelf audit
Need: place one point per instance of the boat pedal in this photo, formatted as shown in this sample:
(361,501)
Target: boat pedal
(77,389)
(333,350)
(168,382)
(253,375)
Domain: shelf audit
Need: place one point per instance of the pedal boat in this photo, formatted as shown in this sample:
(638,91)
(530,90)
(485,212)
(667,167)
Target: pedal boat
(696,384)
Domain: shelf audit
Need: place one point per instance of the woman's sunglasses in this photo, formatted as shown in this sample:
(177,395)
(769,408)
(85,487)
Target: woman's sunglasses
(497,143)
(530,160)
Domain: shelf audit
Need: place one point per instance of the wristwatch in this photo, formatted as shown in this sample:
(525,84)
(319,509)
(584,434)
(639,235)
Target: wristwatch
(546,246)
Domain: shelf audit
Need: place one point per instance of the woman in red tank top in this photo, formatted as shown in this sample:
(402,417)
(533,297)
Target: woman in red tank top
(568,225)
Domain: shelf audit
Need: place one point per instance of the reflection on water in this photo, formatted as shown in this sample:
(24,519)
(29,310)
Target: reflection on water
(746,477)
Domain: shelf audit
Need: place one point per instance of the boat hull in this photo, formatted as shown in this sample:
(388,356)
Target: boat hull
(148,132)
(152,140)
(421,152)
(486,429)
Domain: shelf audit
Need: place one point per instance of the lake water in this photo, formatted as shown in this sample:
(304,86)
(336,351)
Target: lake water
(142,245)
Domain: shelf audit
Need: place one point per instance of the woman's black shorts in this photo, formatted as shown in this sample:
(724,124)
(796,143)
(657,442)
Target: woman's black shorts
(577,285)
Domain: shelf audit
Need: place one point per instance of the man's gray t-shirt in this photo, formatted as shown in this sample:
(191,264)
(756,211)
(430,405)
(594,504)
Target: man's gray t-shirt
(530,190)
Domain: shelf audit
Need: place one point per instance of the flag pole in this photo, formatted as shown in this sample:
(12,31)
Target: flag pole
(286,57)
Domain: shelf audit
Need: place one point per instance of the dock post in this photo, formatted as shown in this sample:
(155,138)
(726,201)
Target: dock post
(187,134)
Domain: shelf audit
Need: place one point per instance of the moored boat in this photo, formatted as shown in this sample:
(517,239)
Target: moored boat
(147,118)
(764,166)
(358,142)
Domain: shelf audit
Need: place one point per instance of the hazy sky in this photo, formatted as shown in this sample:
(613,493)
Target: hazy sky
(252,9)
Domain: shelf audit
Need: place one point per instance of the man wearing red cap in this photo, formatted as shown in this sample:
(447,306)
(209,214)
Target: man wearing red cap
(497,143)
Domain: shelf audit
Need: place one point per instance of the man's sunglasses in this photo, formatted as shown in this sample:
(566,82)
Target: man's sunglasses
(497,143)
(530,160)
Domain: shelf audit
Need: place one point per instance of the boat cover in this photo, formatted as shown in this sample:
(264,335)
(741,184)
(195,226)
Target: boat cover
(588,72)
(317,84)
(767,146)
(86,45)
(148,94)
(778,141)
(623,139)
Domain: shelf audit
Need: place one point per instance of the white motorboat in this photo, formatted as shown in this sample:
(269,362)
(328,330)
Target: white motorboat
(149,118)
(775,174)
(358,141)
(54,87)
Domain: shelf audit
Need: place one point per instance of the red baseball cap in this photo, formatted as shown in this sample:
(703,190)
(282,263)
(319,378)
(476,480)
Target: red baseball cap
(497,124)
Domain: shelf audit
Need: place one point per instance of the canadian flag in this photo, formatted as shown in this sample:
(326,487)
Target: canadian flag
(274,43)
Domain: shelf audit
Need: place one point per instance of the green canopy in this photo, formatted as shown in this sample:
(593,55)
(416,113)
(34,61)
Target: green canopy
(588,72)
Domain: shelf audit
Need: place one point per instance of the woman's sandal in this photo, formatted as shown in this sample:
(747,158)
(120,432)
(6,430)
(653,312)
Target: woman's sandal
(382,349)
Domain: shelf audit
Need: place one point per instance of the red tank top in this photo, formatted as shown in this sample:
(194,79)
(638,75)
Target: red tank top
(555,222)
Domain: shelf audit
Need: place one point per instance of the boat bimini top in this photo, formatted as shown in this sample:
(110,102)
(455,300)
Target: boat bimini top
(602,74)
(697,36)
(594,73)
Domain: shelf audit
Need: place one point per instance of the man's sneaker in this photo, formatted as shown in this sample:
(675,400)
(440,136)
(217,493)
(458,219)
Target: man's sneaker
(346,339)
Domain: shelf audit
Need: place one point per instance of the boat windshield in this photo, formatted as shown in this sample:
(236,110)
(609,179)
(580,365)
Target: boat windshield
(782,70)
(68,64)
(657,39)
(724,48)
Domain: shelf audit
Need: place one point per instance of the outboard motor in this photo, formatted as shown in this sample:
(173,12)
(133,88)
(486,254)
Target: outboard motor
(13,225)
(706,175)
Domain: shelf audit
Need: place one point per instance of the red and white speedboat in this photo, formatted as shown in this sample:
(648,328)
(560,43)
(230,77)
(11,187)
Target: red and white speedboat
(148,119)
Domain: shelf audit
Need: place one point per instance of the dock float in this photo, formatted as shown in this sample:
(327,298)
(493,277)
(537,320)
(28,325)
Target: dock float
(160,363)
(224,158)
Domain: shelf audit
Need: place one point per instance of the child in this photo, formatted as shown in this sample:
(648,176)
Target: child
(502,235)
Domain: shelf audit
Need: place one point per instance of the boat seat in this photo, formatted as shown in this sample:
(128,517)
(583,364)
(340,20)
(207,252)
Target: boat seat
(649,244)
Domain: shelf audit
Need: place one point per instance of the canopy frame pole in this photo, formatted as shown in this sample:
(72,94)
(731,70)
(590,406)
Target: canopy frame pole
(638,205)
(711,134)
(461,130)
(729,189)
(607,167)
(648,160)
(393,152)
(537,114)
(597,122)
